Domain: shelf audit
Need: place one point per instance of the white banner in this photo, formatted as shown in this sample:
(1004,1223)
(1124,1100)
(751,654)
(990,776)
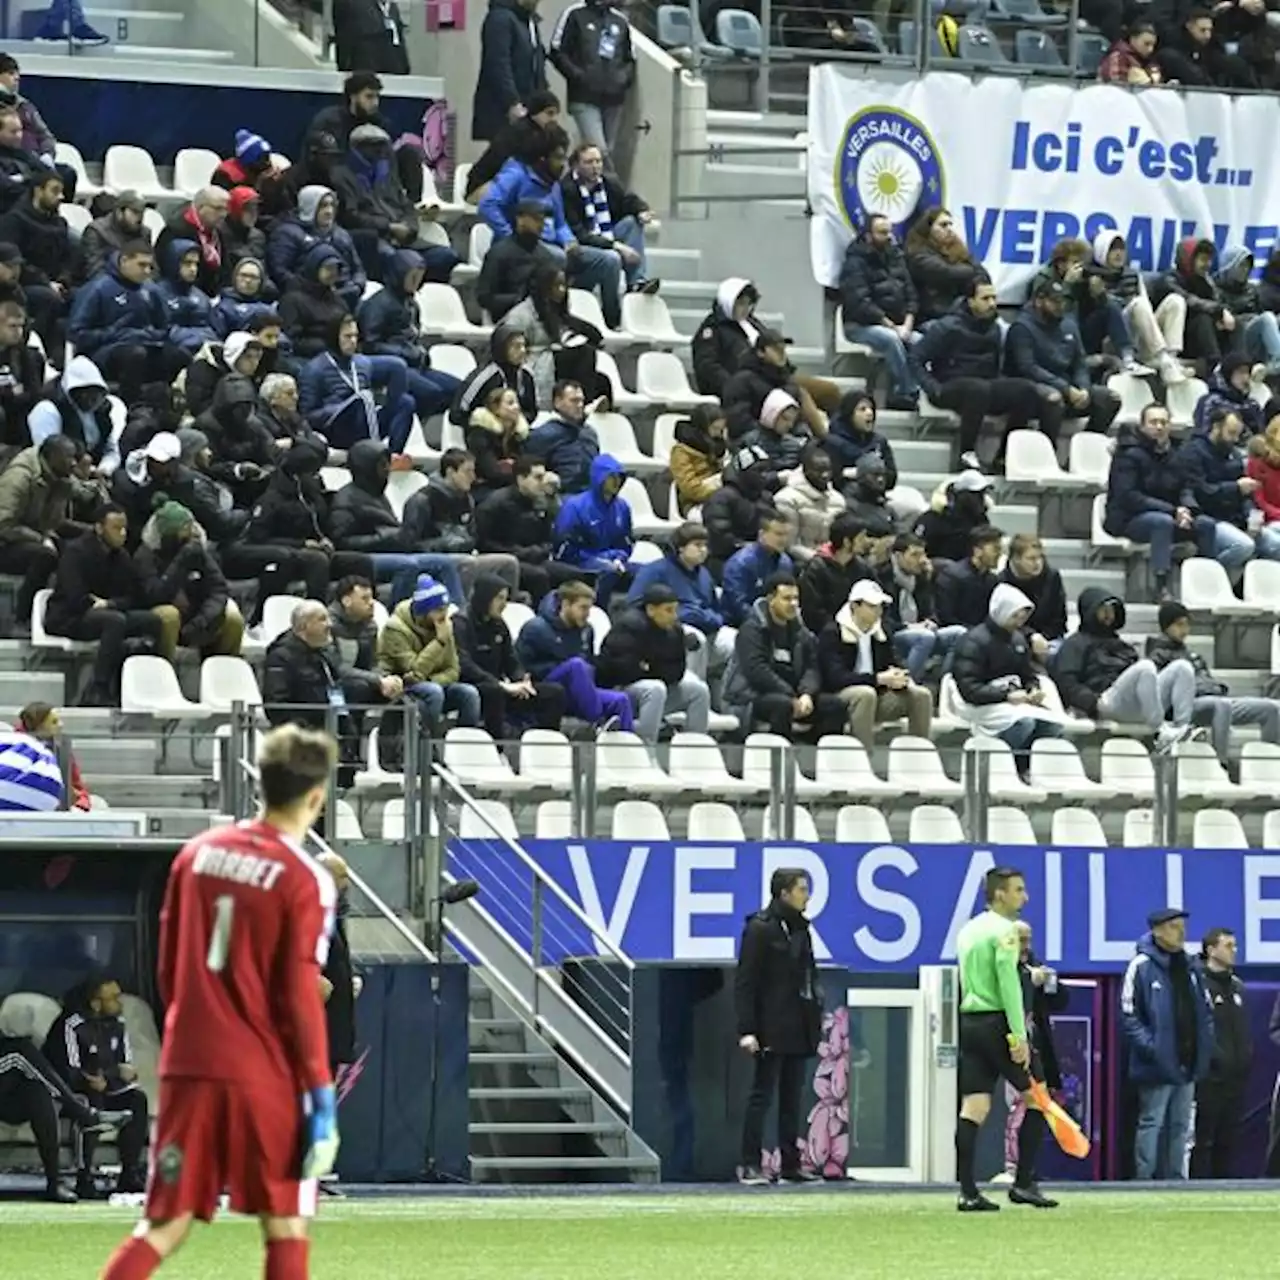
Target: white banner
(1021,167)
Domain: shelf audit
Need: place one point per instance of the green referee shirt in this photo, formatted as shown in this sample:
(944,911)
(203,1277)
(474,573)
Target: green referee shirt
(987,951)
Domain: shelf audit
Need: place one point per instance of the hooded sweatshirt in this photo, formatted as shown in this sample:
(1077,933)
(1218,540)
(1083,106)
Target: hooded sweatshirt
(189,310)
(592,530)
(991,662)
(389,318)
(846,445)
(1093,657)
(1199,291)
(235,312)
(721,342)
(1122,283)
(1235,285)
(310,311)
(497,372)
(486,652)
(361,518)
(58,414)
(295,235)
(1223,395)
(295,507)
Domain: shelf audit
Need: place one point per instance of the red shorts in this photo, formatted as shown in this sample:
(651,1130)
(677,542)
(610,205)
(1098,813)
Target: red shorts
(214,1136)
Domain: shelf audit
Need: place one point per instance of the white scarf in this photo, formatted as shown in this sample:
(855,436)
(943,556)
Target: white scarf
(850,633)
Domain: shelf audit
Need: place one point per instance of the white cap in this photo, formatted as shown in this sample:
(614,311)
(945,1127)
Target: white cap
(971,482)
(868,591)
(164,446)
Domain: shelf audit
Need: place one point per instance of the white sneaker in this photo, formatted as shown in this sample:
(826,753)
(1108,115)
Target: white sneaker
(1170,369)
(1169,735)
(969,461)
(1131,365)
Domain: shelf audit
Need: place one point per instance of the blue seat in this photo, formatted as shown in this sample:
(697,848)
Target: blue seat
(1036,49)
(870,33)
(979,44)
(739,32)
(907,40)
(675,27)
(1026,11)
(1090,51)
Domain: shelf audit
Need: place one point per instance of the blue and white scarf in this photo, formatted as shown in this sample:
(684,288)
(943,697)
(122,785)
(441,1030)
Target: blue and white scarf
(595,208)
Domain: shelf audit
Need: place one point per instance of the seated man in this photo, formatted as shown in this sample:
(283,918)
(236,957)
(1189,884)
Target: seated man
(774,674)
(1209,325)
(36,226)
(683,570)
(879,301)
(19,168)
(1213,706)
(419,646)
(733,512)
(295,234)
(441,518)
(964,588)
(911,610)
(1257,332)
(558,647)
(353,624)
(958,508)
(764,368)
(513,138)
(110,233)
(510,701)
(645,655)
(88,1044)
(566,441)
(811,500)
(999,691)
(748,570)
(204,221)
(602,213)
(1100,674)
(99,594)
(593,529)
(828,577)
(856,663)
(1231,387)
(1028,569)
(512,263)
(314,303)
(188,309)
(1214,465)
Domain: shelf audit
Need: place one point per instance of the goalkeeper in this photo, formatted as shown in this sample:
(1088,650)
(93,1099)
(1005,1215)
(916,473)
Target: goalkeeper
(993,1039)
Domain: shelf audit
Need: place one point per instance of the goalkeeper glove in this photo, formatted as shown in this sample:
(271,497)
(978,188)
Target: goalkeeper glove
(320,1127)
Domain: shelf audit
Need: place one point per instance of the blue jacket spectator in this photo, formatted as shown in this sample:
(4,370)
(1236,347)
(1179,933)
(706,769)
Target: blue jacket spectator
(110,311)
(295,235)
(244,299)
(513,65)
(330,383)
(593,529)
(188,308)
(545,641)
(694,589)
(518,181)
(389,318)
(959,345)
(1046,349)
(1146,476)
(1214,464)
(745,573)
(1229,386)
(1148,1014)
(567,448)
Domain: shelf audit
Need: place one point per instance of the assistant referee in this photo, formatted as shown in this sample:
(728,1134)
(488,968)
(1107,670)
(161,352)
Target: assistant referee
(993,1039)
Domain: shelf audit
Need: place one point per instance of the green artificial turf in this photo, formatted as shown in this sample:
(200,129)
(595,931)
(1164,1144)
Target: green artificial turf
(846,1236)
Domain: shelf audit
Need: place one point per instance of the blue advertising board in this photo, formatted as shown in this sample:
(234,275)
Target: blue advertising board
(874,907)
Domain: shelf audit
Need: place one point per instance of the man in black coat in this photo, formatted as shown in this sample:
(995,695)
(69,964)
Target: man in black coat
(879,302)
(1028,569)
(340,984)
(964,588)
(828,575)
(732,513)
(49,260)
(512,66)
(764,369)
(516,139)
(512,262)
(369,36)
(778,1003)
(18,167)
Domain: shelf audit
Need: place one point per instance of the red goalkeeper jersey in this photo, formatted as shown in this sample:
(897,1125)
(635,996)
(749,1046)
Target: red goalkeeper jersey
(244,934)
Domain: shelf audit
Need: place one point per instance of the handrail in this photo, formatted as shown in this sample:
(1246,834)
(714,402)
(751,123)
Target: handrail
(538,873)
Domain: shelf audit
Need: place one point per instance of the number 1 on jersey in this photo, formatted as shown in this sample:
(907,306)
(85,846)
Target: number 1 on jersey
(224,910)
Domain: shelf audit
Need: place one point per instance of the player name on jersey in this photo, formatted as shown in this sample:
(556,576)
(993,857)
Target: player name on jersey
(242,868)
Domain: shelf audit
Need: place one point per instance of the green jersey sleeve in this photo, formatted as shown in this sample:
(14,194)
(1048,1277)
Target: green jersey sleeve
(1009,981)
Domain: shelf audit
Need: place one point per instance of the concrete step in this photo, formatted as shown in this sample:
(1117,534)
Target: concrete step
(1074,581)
(673,266)
(131,28)
(159,53)
(103,754)
(17,688)
(515,1058)
(739,180)
(566,1094)
(372,937)
(157,791)
(929,454)
(757,122)
(568,1169)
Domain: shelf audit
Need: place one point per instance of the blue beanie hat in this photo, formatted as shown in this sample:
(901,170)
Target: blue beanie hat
(428,595)
(251,148)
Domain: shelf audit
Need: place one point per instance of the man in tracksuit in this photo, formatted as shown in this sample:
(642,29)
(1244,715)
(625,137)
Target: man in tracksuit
(1220,1095)
(591,48)
(1168,1030)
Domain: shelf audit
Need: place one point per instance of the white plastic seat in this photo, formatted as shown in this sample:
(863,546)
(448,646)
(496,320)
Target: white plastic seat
(334,478)
(417,448)
(1077,829)
(915,768)
(1134,395)
(843,346)
(618,437)
(696,762)
(546,759)
(861,824)
(584,305)
(393,819)
(132,168)
(553,820)
(149,686)
(401,486)
(460,176)
(600,625)
(1218,829)
(375,775)
(77,217)
(804,829)
(1201,773)
(645,316)
(1102,541)
(1260,770)
(645,521)
(1271,829)
(474,757)
(934,824)
(225,681)
(1181,399)
(449,357)
(153,221)
(1006,825)
(193,169)
(623,763)
(516,615)
(757,764)
(1262,585)
(1073,721)
(41,639)
(715,820)
(1030,458)
(28,1016)
(661,378)
(639,820)
(440,311)
(479,242)
(68,154)
(1139,829)
(347,824)
(276,614)
(644,552)
(1205,588)
(843,768)
(1090,458)
(1056,767)
(1127,767)
(624,400)
(489,820)
(1002,778)
(664,435)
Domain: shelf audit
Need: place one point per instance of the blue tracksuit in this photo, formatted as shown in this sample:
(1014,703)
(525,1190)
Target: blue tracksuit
(693,588)
(233,313)
(1147,1013)
(109,312)
(591,530)
(744,577)
(545,642)
(187,306)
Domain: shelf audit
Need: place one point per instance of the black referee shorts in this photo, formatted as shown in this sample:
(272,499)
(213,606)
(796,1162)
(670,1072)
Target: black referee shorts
(984,1055)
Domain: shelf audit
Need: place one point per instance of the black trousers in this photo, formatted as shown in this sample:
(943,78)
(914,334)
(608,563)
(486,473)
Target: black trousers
(36,563)
(543,711)
(1219,1107)
(781,1074)
(131,1137)
(31,1092)
(278,567)
(538,579)
(830,715)
(977,398)
(111,628)
(1201,342)
(132,365)
(48,314)
(1099,413)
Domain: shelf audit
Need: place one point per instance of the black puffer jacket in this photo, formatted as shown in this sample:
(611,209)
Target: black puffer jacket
(746,391)
(1094,657)
(441,518)
(720,343)
(295,508)
(486,652)
(940,283)
(186,574)
(360,517)
(732,514)
(636,649)
(875,284)
(244,452)
(310,311)
(960,345)
(508,523)
(989,661)
(1144,478)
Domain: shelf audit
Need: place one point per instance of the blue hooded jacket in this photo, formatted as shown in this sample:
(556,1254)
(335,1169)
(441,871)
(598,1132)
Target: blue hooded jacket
(1147,1014)
(389,318)
(328,383)
(592,530)
(235,312)
(189,309)
(518,181)
(694,589)
(744,577)
(1222,395)
(567,450)
(294,235)
(109,311)
(545,642)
